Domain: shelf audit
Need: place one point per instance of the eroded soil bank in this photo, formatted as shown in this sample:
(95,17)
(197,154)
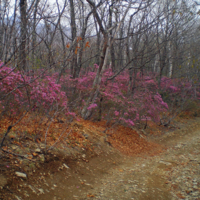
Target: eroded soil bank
(170,171)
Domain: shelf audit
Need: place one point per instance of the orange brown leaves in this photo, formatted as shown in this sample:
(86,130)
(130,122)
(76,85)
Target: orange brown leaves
(90,195)
(34,154)
(180,196)
(87,44)
(130,143)
(79,39)
(68,45)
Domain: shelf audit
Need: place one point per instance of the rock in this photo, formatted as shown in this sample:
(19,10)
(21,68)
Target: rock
(41,191)
(21,175)
(165,163)
(18,198)
(37,150)
(83,156)
(46,184)
(64,165)
(14,147)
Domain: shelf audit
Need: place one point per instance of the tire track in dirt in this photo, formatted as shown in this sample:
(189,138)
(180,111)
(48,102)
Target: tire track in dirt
(170,175)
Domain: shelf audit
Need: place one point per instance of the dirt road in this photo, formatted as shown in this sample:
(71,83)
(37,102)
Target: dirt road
(170,175)
(174,174)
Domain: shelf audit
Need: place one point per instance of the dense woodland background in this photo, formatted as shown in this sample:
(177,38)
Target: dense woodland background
(126,61)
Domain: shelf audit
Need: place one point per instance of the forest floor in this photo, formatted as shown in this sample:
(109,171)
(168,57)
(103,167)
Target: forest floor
(123,163)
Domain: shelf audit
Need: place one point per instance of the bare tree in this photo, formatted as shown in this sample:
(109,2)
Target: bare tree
(104,56)
(23,35)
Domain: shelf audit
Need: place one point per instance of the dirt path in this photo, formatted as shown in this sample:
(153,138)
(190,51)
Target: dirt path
(173,174)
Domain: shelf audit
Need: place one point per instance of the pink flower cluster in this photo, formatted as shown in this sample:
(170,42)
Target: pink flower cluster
(19,92)
(121,99)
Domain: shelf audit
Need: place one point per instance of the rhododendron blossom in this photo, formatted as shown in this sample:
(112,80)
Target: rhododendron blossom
(116,113)
(120,99)
(94,105)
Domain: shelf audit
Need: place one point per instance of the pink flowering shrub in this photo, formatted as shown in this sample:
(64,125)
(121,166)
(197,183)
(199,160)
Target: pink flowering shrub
(176,90)
(11,90)
(46,92)
(148,102)
(94,105)
(115,102)
(178,94)
(19,92)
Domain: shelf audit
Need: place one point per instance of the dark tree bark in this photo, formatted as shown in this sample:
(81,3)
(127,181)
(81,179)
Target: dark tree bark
(23,35)
(34,33)
(112,50)
(74,35)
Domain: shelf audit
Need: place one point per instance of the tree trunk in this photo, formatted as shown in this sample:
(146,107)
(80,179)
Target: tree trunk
(73,33)
(112,50)
(103,62)
(34,34)
(23,35)
(85,113)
